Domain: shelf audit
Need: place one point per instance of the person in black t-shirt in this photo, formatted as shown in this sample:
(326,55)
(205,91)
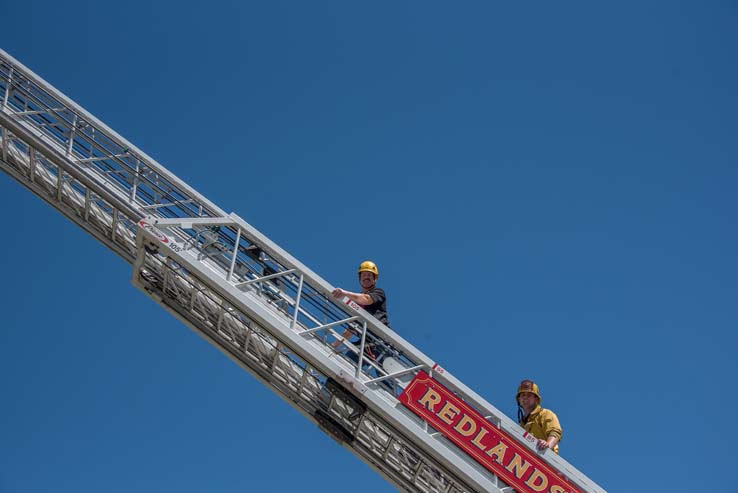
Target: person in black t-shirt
(372,299)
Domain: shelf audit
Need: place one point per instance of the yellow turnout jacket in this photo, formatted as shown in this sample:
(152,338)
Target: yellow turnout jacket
(543,423)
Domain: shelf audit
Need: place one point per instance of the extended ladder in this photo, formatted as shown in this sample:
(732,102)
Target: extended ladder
(256,303)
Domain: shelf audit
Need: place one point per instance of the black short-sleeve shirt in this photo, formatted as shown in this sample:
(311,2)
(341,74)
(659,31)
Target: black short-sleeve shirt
(378,308)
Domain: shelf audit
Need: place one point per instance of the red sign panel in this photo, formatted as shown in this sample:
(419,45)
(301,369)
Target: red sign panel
(487,444)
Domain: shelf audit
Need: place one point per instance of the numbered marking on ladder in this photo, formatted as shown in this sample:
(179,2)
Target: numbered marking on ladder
(438,368)
(350,303)
(530,438)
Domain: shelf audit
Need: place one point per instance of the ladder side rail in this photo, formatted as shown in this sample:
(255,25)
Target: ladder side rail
(53,155)
(32,104)
(76,196)
(35,160)
(102,129)
(53,148)
(122,246)
(72,189)
(104,179)
(81,141)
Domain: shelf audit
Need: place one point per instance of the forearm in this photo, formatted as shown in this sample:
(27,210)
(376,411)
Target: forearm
(552,428)
(362,299)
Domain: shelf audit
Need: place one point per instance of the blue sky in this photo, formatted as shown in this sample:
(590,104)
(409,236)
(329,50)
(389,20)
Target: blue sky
(549,190)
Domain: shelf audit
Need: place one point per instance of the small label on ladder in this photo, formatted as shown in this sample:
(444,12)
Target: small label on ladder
(487,444)
(154,231)
(173,244)
(350,303)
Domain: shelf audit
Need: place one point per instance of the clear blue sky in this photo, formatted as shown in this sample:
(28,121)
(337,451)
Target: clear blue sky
(549,190)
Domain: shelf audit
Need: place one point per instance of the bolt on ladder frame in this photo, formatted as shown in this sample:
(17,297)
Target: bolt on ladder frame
(239,290)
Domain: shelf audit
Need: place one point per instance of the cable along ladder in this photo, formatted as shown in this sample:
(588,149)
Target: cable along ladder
(263,308)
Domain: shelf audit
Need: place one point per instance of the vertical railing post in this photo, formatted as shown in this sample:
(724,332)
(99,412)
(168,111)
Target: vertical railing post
(32,164)
(7,88)
(92,142)
(72,133)
(235,255)
(114,225)
(361,350)
(297,303)
(88,203)
(5,144)
(134,188)
(59,183)
(26,96)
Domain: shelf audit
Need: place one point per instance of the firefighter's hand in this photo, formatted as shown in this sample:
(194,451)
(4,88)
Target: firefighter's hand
(543,444)
(338,293)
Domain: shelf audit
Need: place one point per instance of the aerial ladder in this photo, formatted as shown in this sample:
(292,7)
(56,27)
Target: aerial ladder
(403,414)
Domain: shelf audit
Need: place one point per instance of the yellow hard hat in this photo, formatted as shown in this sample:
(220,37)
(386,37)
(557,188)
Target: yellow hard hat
(528,386)
(369,266)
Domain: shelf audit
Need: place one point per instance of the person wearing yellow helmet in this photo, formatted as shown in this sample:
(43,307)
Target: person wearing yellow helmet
(371,298)
(539,422)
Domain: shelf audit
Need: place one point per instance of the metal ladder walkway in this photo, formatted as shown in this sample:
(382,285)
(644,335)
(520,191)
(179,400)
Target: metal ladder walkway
(249,298)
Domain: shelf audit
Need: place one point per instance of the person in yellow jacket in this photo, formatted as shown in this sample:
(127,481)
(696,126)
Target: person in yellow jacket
(539,422)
